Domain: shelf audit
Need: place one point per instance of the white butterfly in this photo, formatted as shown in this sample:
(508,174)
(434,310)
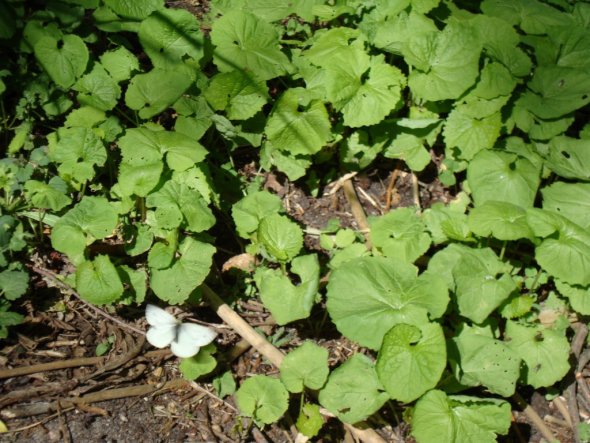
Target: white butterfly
(185,339)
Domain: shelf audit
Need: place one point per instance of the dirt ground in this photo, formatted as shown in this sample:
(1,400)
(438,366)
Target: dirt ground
(135,393)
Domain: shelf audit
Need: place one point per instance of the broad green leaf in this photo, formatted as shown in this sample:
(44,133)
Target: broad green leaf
(139,239)
(459,419)
(400,234)
(252,209)
(98,282)
(479,289)
(545,352)
(310,420)
(13,284)
(236,93)
(293,166)
(246,43)
(471,135)
(78,151)
(135,283)
(168,35)
(411,360)
(365,89)
(98,89)
(446,62)
(9,319)
(367,296)
(280,237)
(7,21)
(306,366)
(285,301)
(91,219)
(48,195)
(133,9)
(445,221)
(502,220)
(556,91)
(572,200)
(162,252)
(353,391)
(86,117)
(224,384)
(578,296)
(263,398)
(153,92)
(500,176)
(120,63)
(481,360)
(564,251)
(201,364)
(358,151)
(569,157)
(176,202)
(106,20)
(64,59)
(335,43)
(175,283)
(298,124)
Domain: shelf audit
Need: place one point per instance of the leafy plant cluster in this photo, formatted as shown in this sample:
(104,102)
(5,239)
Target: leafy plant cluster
(122,120)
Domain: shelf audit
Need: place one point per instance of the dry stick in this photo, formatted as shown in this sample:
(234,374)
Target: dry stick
(416,191)
(63,364)
(572,390)
(357,211)
(274,355)
(562,408)
(391,186)
(534,417)
(65,287)
(94,397)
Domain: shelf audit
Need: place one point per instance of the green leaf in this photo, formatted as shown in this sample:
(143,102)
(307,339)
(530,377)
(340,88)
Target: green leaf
(106,20)
(98,282)
(411,360)
(91,219)
(64,59)
(557,91)
(298,124)
(119,63)
(133,9)
(310,420)
(175,283)
(501,176)
(569,157)
(98,89)
(85,117)
(13,284)
(153,92)
(245,42)
(292,166)
(9,319)
(78,151)
(459,419)
(201,364)
(47,195)
(162,252)
(479,290)
(469,134)
(306,366)
(578,296)
(446,62)
(249,211)
(564,254)
(571,200)
(367,296)
(224,384)
(353,391)
(502,220)
(176,202)
(280,237)
(135,283)
(263,398)
(139,239)
(236,93)
(365,89)
(481,360)
(545,352)
(285,301)
(168,35)
(400,234)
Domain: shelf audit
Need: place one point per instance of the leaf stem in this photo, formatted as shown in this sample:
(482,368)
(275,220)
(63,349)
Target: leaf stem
(503,250)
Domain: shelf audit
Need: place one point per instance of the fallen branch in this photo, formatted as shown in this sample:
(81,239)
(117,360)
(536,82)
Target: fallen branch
(357,211)
(532,415)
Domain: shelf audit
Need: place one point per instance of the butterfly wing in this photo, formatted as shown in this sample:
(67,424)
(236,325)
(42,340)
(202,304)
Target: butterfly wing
(163,326)
(189,339)
(156,316)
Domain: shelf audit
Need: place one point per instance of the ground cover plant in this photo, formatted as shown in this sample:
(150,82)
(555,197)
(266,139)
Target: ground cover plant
(126,125)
